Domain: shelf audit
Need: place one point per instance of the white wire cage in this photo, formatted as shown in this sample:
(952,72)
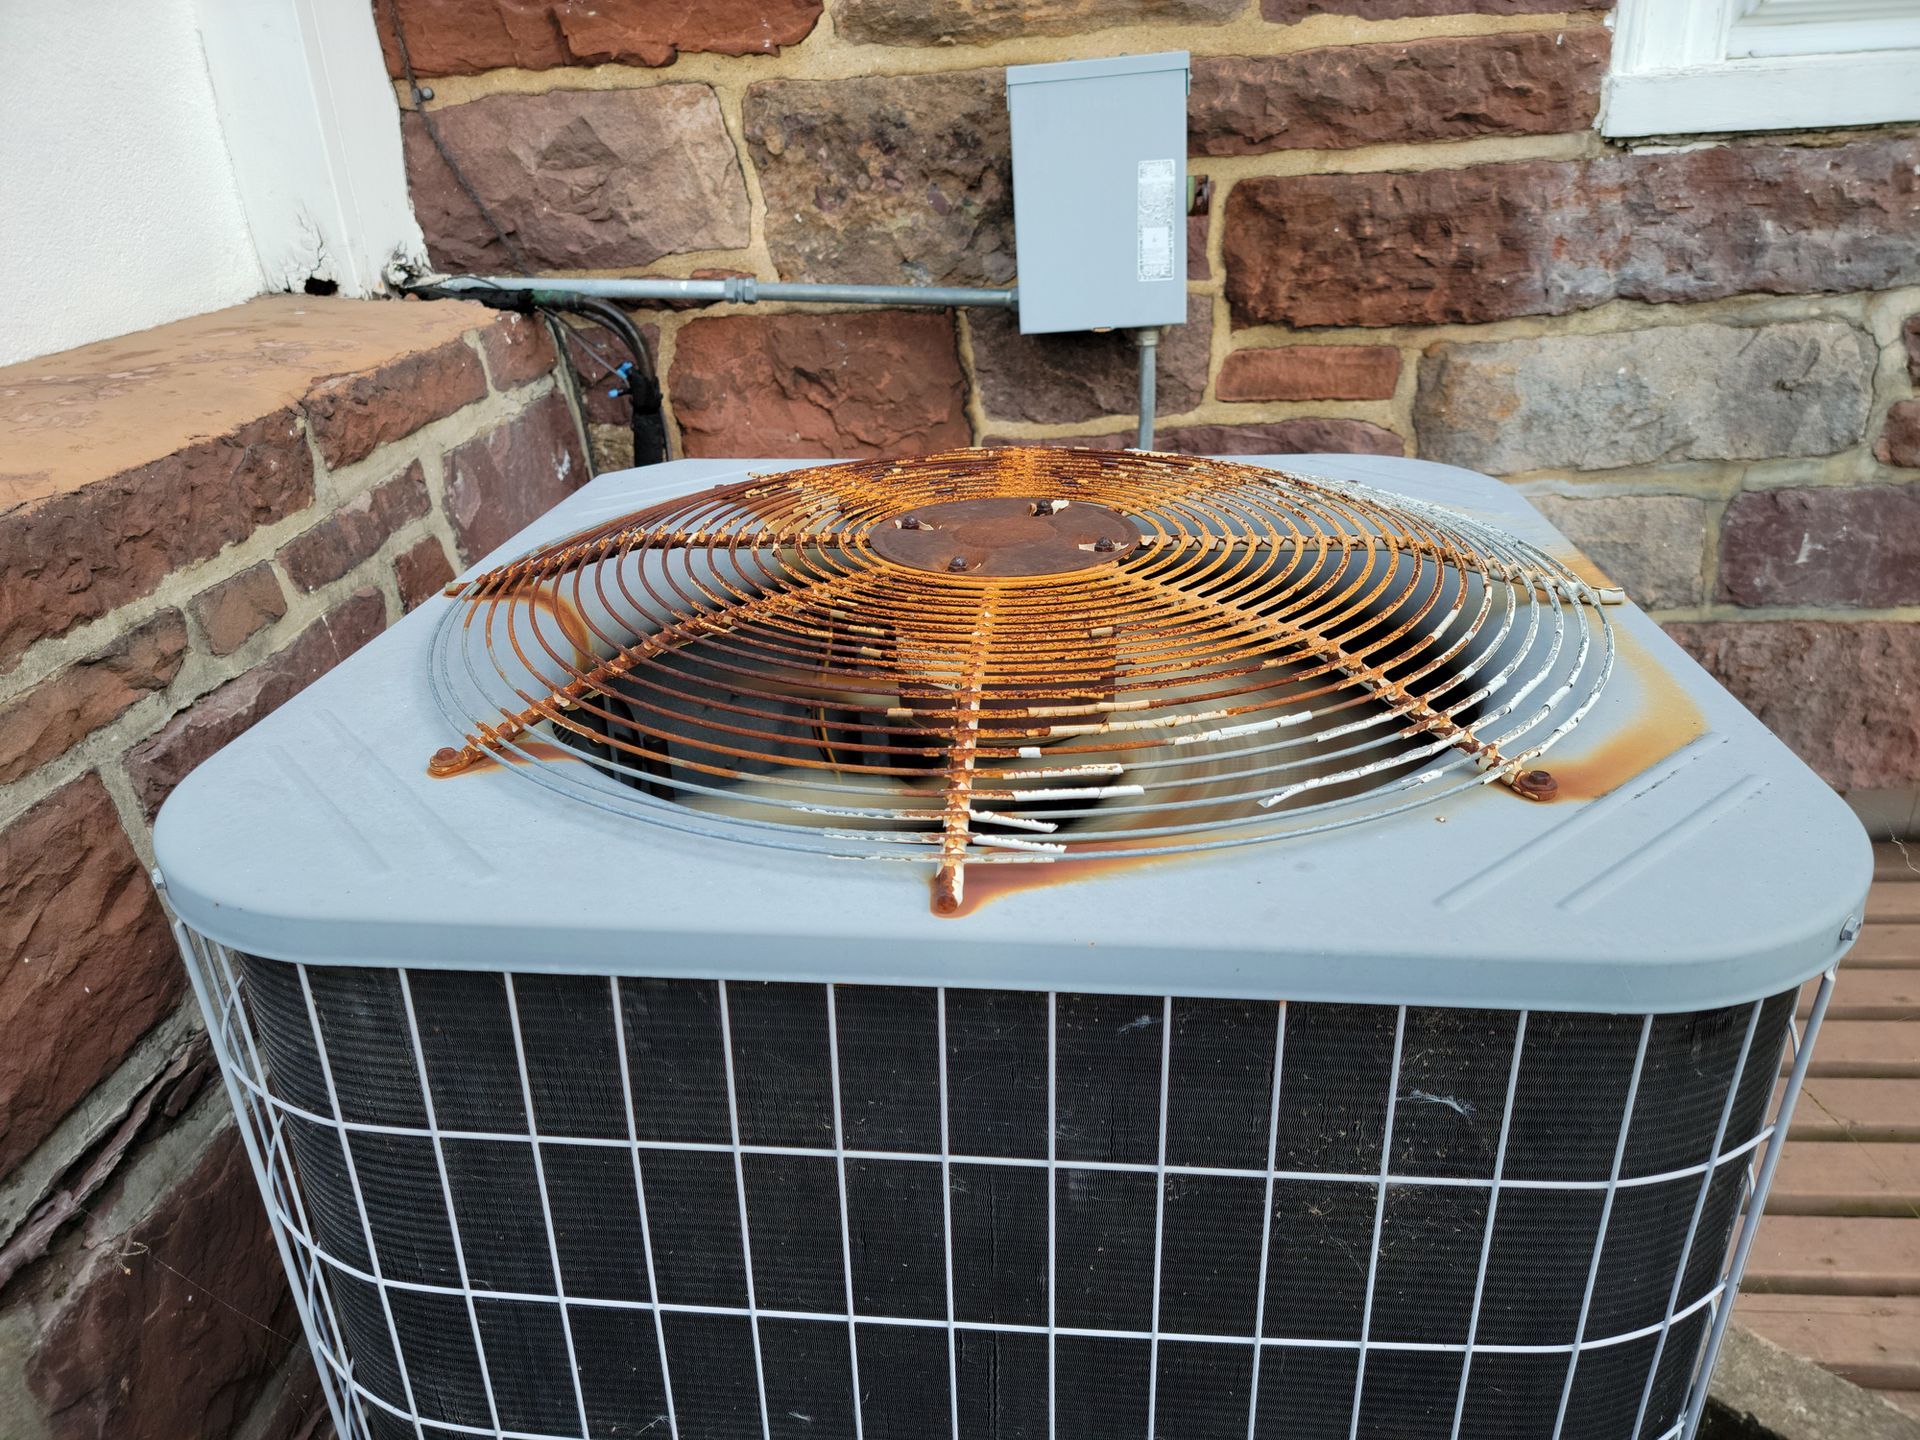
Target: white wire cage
(1141,1282)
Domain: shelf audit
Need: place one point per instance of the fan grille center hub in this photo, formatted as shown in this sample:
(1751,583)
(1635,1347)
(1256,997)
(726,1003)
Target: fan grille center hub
(1005,536)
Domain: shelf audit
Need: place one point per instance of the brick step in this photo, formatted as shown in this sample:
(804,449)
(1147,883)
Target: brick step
(1835,1255)
(1847,1179)
(1867,1050)
(1858,1110)
(1869,995)
(1872,1341)
(1893,900)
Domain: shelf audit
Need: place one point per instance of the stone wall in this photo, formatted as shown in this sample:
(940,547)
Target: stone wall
(1415,243)
(215,512)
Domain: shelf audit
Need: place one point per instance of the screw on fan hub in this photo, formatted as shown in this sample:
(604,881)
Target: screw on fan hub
(1006,537)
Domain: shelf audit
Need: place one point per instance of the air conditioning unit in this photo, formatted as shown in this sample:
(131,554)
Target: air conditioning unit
(1024,943)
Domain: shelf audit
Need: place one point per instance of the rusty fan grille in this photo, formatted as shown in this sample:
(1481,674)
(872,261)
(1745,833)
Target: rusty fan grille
(1015,656)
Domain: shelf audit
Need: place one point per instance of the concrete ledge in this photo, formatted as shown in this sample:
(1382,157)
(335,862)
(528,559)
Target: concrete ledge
(1762,1392)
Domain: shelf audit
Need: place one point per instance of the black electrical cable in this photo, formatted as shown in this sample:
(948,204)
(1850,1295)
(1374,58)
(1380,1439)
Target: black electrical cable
(642,383)
(648,424)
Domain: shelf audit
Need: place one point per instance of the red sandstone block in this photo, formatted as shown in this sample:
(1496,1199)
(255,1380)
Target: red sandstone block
(1057,379)
(1309,435)
(1900,441)
(892,175)
(238,608)
(1531,83)
(852,386)
(356,530)
(661,177)
(353,415)
(1546,237)
(944,23)
(465,37)
(1823,687)
(500,481)
(1830,546)
(1199,267)
(1287,12)
(75,556)
(422,571)
(1310,372)
(518,349)
(87,965)
(68,706)
(174,1327)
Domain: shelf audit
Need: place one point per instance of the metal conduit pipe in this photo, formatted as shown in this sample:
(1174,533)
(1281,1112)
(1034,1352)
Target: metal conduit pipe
(647,424)
(730,289)
(1148,339)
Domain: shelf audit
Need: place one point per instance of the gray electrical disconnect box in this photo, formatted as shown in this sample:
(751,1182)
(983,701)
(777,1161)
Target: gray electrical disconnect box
(1099,191)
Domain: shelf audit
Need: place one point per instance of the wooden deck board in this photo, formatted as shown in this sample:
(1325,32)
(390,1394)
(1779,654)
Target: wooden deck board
(1835,1270)
(1847,1179)
(1836,1255)
(1893,900)
(1885,946)
(1895,862)
(1858,1110)
(1872,1341)
(1908,1400)
(1869,995)
(1867,1050)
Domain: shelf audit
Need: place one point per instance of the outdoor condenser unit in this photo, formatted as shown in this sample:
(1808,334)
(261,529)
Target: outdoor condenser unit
(1023,943)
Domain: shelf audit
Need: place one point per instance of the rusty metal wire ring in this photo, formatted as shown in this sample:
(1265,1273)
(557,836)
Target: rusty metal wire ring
(1014,656)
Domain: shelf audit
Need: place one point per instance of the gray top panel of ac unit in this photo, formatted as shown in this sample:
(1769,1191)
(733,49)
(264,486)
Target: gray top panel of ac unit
(1723,871)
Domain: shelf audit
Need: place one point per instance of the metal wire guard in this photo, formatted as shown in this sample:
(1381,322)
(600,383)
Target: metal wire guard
(1579,1286)
(991,657)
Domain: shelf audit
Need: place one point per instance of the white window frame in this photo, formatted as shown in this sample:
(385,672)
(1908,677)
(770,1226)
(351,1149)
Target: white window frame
(313,133)
(1690,66)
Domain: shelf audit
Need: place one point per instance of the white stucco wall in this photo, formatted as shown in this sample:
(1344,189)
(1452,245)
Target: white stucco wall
(118,208)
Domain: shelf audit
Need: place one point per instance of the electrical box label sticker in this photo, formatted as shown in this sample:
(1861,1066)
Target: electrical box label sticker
(1154,251)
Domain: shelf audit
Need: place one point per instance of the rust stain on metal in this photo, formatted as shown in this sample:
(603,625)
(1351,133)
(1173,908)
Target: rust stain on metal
(449,762)
(989,882)
(1665,721)
(1584,566)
